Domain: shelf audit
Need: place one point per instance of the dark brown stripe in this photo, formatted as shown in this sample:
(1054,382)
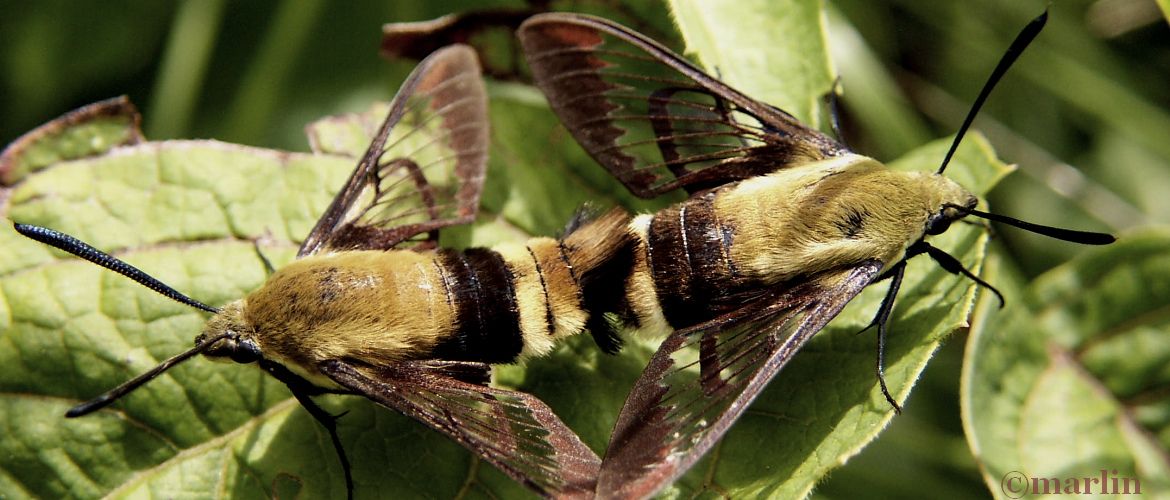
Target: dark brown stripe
(666,255)
(485,299)
(548,312)
(705,243)
(687,261)
(604,292)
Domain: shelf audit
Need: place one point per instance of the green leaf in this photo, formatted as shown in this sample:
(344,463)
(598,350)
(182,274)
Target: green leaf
(771,50)
(872,98)
(1071,381)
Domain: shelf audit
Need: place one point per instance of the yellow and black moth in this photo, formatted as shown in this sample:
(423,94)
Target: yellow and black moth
(783,226)
(373,307)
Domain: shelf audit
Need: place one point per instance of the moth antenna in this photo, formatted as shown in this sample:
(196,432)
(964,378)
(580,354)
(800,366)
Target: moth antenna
(952,265)
(112,395)
(1070,235)
(82,249)
(1021,42)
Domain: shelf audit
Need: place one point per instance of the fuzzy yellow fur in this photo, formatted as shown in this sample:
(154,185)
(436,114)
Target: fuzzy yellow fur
(532,290)
(788,223)
(375,307)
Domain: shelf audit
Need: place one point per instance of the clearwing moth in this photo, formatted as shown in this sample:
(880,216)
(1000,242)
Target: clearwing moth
(782,228)
(373,308)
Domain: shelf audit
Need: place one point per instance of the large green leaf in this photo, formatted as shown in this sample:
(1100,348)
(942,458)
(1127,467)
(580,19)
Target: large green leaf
(1071,380)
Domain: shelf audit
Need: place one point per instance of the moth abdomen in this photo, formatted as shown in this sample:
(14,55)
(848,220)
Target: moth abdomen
(489,305)
(688,251)
(560,286)
(488,313)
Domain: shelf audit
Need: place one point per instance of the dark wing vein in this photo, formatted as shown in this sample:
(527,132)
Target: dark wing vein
(424,169)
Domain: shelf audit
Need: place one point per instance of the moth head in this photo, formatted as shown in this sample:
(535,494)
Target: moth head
(226,336)
(950,197)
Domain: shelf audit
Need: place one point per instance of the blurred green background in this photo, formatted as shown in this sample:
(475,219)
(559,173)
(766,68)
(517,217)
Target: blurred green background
(1084,113)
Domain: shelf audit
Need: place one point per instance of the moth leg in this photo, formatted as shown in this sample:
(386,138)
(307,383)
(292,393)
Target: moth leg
(952,265)
(881,320)
(980,224)
(329,422)
(303,390)
(604,334)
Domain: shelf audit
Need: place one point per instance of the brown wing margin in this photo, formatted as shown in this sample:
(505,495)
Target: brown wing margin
(424,169)
(652,118)
(512,430)
(702,379)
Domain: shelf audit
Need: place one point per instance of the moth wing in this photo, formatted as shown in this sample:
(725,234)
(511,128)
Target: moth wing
(512,430)
(424,169)
(653,119)
(702,378)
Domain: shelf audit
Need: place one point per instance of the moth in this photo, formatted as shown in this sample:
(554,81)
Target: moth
(782,227)
(373,307)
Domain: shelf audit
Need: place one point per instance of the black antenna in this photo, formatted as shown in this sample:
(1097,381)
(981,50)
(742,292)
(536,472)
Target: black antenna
(1025,38)
(1022,41)
(112,395)
(84,250)
(1071,235)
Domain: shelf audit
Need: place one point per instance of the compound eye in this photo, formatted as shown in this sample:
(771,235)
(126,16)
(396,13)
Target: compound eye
(938,224)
